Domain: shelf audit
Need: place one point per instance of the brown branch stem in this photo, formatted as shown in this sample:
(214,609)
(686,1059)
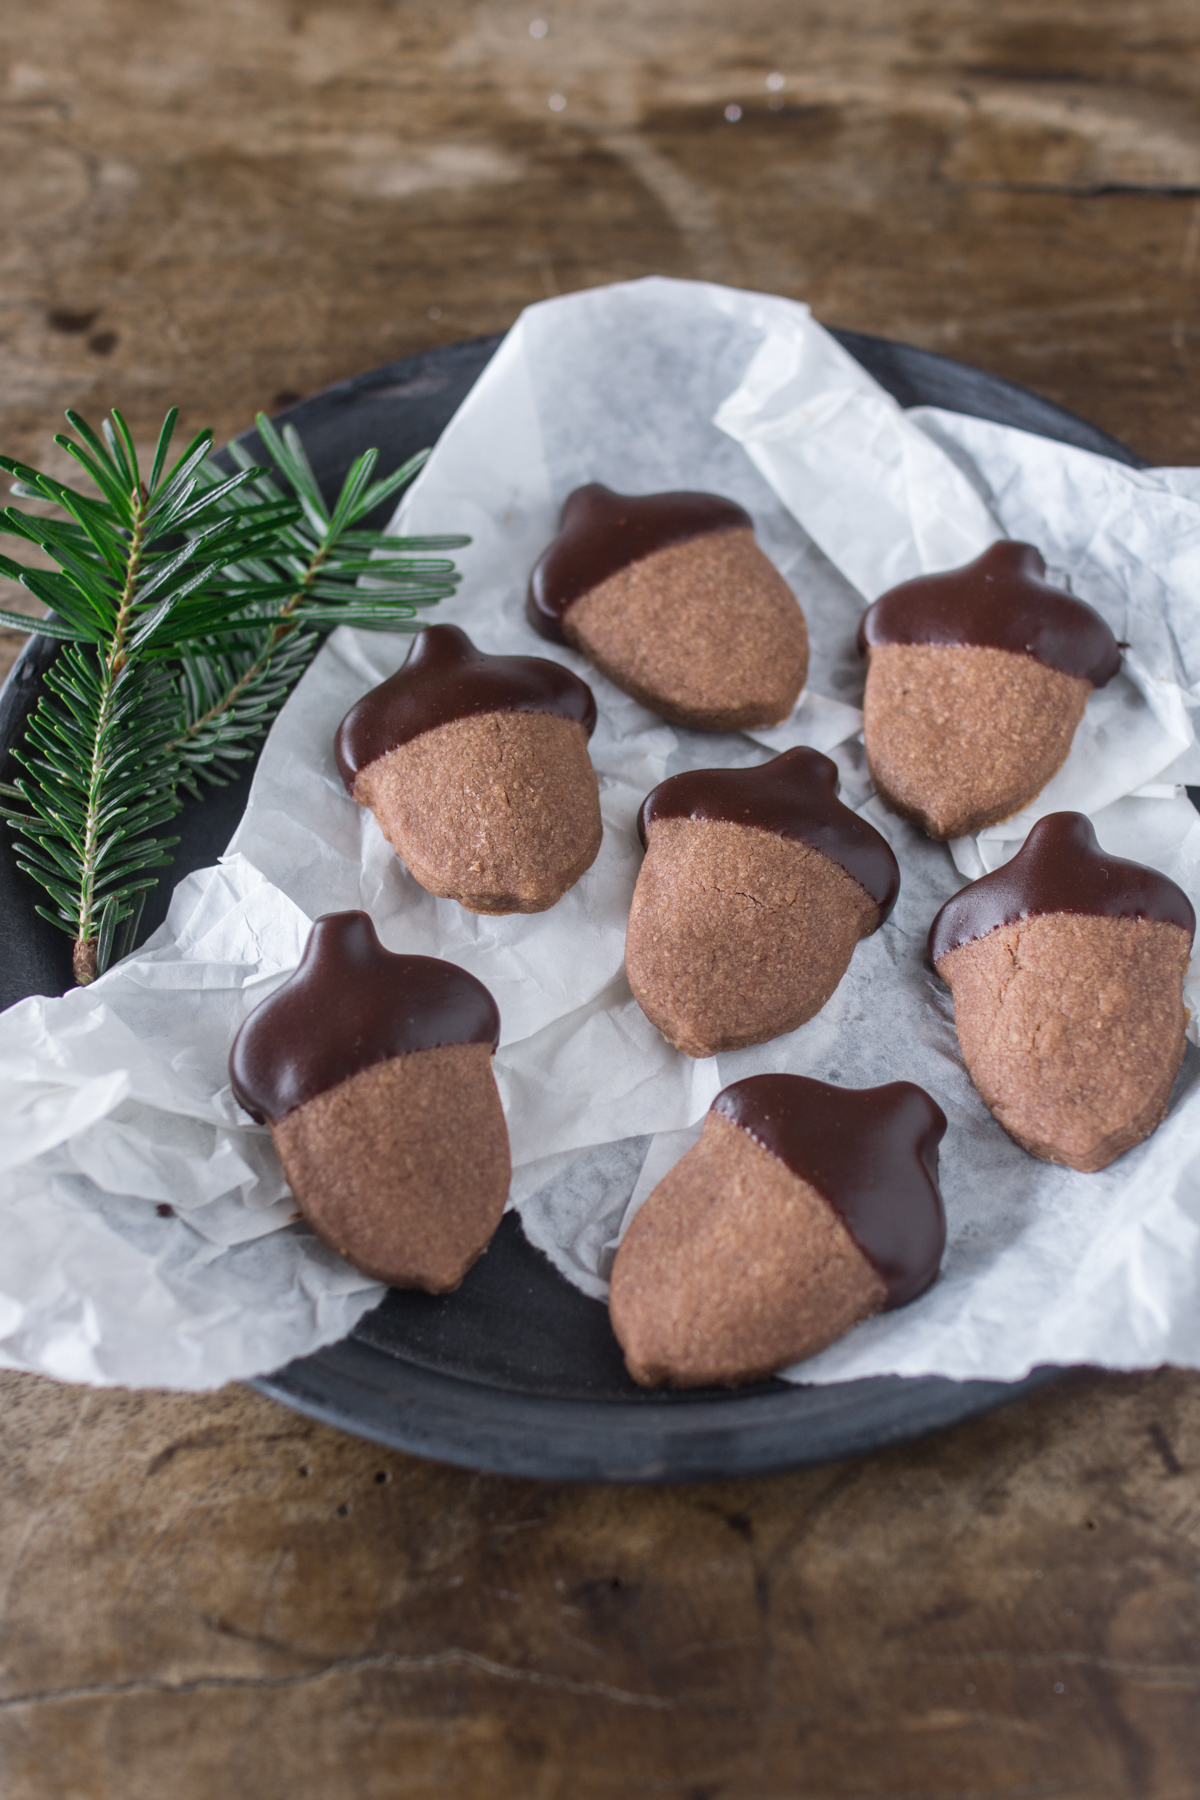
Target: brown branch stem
(84,954)
(284,625)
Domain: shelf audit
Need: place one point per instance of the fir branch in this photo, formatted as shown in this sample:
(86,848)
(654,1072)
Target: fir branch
(189,605)
(323,572)
(103,781)
(101,775)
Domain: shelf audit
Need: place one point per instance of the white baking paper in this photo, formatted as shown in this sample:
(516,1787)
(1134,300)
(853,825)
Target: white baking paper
(943,488)
(149,1238)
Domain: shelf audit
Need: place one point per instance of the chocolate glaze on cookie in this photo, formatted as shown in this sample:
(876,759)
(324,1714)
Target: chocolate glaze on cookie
(794,795)
(1060,868)
(602,531)
(1001,601)
(873,1154)
(446,678)
(349,1005)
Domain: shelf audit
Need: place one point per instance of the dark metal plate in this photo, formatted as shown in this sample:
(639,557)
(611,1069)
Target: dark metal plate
(518,1372)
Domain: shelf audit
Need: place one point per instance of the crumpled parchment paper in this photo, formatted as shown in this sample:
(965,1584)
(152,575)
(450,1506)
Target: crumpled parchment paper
(149,1238)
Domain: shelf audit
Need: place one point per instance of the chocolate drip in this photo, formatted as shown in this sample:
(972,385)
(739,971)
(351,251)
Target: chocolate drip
(447,678)
(1001,601)
(351,1004)
(601,532)
(872,1153)
(1060,868)
(795,795)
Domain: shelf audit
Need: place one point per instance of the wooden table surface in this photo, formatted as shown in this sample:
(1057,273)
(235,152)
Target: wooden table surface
(228,205)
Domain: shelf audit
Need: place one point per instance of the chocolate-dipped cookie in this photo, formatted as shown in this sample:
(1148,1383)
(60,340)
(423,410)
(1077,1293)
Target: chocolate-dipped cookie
(374,1072)
(671,598)
(803,1209)
(976,680)
(1066,967)
(757,885)
(477,769)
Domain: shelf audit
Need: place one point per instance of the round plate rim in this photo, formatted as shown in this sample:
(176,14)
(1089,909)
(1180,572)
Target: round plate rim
(376,1394)
(452,1419)
(455,1420)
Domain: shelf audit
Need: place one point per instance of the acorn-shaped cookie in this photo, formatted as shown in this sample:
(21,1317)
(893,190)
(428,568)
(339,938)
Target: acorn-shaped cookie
(477,769)
(671,598)
(976,680)
(756,887)
(1066,967)
(802,1209)
(374,1072)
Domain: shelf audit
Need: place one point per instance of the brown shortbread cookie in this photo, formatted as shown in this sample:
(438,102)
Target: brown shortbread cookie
(961,738)
(403,1169)
(803,1209)
(501,813)
(757,885)
(671,598)
(1066,968)
(374,1073)
(477,770)
(976,681)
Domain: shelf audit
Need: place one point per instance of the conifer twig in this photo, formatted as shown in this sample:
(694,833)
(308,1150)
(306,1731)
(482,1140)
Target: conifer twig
(188,604)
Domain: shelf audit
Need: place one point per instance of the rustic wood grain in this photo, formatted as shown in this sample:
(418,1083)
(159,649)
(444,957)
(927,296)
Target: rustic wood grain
(210,1596)
(233,204)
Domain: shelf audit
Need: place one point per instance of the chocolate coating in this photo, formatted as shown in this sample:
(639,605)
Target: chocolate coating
(349,1005)
(1001,601)
(1060,868)
(873,1154)
(601,532)
(794,795)
(447,678)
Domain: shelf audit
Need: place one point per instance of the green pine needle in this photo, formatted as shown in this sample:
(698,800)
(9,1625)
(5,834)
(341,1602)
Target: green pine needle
(101,780)
(189,605)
